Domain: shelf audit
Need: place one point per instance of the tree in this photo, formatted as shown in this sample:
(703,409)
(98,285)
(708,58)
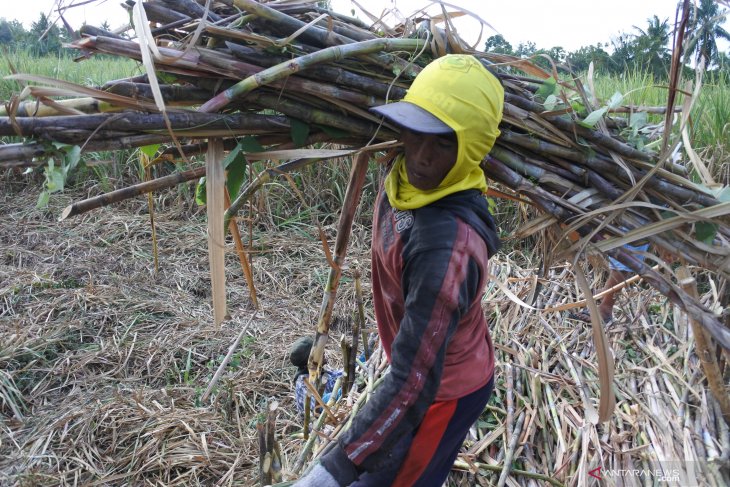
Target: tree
(46,37)
(498,45)
(580,60)
(623,57)
(526,50)
(705,30)
(650,47)
(12,33)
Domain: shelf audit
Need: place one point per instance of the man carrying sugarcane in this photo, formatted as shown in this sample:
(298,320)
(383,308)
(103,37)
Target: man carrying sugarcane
(432,238)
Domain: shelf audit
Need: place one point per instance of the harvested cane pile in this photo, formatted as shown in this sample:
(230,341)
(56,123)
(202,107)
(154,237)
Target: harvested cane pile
(278,81)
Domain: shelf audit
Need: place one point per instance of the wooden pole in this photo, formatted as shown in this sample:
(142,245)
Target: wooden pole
(215,193)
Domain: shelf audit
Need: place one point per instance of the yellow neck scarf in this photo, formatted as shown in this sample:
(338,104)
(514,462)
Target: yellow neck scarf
(402,195)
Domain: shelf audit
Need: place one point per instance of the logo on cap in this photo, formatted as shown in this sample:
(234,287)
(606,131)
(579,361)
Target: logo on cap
(455,63)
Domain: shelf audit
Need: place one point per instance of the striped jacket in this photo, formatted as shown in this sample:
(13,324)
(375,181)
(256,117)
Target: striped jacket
(429,268)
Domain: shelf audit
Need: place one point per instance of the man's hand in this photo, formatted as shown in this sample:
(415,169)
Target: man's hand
(317,477)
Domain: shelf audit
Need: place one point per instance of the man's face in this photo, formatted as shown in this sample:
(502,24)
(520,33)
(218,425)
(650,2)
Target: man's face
(429,158)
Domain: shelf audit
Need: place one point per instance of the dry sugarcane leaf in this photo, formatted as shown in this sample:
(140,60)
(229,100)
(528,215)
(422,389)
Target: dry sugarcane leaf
(304,28)
(446,16)
(512,296)
(705,214)
(605,357)
(375,20)
(702,170)
(289,154)
(72,89)
(522,64)
(148,46)
(239,35)
(534,226)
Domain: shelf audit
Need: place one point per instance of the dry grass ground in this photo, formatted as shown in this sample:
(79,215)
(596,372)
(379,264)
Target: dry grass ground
(103,364)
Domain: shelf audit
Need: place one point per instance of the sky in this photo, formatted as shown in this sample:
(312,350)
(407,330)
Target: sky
(566,23)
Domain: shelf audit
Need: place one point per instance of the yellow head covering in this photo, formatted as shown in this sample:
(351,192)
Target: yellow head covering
(459,91)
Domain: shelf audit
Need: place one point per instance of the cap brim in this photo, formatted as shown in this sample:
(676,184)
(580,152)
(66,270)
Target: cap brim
(412,117)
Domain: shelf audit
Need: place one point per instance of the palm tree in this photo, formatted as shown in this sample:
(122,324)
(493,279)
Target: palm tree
(650,46)
(706,29)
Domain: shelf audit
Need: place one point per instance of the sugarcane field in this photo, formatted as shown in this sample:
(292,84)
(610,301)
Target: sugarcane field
(199,284)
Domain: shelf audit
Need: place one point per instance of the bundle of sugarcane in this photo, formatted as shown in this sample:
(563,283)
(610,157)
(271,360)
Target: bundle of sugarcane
(295,75)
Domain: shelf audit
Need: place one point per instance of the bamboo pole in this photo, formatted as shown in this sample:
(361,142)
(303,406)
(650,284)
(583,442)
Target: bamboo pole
(344,228)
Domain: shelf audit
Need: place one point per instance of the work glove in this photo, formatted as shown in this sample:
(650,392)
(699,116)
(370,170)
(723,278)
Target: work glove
(317,477)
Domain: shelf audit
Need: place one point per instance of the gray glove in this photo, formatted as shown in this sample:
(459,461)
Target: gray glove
(317,477)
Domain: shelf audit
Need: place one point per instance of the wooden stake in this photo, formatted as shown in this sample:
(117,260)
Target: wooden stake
(215,191)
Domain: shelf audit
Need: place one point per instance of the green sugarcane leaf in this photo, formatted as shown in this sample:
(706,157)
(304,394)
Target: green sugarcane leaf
(150,150)
(637,120)
(233,156)
(235,174)
(705,232)
(55,179)
(722,194)
(235,164)
(548,87)
(299,131)
(550,103)
(251,144)
(201,196)
(43,200)
(73,157)
(592,119)
(615,100)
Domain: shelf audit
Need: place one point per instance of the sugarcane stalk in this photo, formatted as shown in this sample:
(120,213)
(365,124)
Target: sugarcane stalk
(156,12)
(496,169)
(264,177)
(190,121)
(130,192)
(242,255)
(344,228)
(293,83)
(313,35)
(510,451)
(269,451)
(173,94)
(317,116)
(332,74)
(38,109)
(330,54)
(357,328)
(191,9)
(704,348)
